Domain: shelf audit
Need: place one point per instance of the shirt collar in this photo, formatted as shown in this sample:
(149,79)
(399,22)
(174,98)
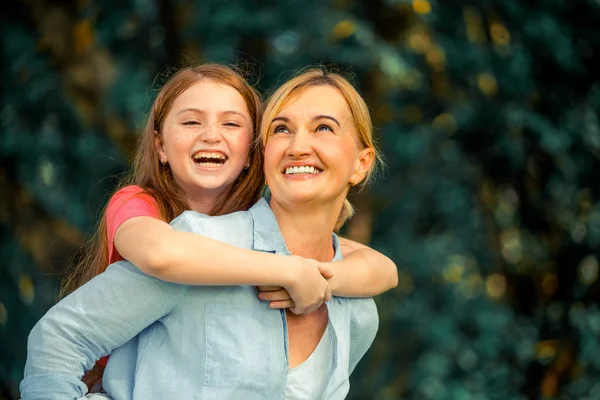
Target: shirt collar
(267,235)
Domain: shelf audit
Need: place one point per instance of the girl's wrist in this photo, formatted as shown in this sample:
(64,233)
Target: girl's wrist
(335,267)
(287,271)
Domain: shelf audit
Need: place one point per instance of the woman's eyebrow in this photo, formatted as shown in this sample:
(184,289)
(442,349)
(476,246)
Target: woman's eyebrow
(327,117)
(315,118)
(284,119)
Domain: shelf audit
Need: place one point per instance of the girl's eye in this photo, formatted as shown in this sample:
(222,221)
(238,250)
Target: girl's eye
(324,128)
(232,124)
(281,129)
(189,123)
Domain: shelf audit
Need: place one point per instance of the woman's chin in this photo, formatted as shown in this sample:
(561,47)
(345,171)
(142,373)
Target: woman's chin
(300,198)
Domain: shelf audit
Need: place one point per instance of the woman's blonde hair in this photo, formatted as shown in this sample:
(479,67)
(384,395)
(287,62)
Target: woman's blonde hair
(358,110)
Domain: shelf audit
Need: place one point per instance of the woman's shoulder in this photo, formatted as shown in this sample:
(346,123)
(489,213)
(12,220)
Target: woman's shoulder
(191,218)
(227,228)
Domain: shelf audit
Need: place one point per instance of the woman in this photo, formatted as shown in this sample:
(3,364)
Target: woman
(185,160)
(225,342)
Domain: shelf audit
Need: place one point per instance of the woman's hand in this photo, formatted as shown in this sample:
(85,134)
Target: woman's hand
(307,288)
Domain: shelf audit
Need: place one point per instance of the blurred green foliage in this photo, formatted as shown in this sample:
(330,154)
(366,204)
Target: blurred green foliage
(488,116)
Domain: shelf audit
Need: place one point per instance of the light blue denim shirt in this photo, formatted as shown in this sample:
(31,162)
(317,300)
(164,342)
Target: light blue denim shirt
(172,341)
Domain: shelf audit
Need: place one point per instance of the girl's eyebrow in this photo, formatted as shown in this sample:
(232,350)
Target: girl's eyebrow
(197,110)
(234,113)
(316,117)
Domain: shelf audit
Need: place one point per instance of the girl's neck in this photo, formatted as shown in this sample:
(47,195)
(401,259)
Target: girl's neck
(307,228)
(205,202)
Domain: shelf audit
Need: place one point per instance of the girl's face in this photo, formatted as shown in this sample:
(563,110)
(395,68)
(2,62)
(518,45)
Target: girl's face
(312,152)
(206,139)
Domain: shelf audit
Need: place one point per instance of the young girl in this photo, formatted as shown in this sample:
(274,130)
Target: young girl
(202,117)
(221,342)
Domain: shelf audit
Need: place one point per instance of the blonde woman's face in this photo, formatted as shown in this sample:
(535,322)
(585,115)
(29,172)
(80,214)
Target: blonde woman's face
(312,152)
(206,138)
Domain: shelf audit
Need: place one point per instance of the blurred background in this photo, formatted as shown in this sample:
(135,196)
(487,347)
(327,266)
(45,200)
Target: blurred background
(488,115)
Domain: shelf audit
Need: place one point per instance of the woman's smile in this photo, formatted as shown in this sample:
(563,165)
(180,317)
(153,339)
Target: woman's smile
(302,171)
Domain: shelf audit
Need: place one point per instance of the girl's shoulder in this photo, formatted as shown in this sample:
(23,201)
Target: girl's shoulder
(129,190)
(131,193)
(128,202)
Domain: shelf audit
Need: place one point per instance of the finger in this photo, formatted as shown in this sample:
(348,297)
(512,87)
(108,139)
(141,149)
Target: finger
(283,304)
(269,288)
(275,296)
(325,271)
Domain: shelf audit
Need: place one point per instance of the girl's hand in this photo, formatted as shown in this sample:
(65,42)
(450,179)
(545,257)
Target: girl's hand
(306,291)
(277,295)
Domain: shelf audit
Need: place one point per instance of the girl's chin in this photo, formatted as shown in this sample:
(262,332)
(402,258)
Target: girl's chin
(211,184)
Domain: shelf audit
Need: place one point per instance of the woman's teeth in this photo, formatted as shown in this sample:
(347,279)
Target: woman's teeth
(302,170)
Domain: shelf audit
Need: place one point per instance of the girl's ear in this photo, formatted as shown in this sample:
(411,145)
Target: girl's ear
(363,164)
(160,148)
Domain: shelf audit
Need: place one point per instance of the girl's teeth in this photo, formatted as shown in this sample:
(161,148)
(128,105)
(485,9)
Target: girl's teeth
(216,156)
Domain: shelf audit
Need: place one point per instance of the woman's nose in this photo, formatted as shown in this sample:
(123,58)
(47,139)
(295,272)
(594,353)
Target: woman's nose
(300,145)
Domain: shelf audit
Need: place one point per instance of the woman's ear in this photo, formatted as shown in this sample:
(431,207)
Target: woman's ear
(160,148)
(363,164)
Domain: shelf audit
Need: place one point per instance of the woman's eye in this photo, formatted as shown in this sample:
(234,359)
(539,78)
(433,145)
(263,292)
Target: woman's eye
(324,128)
(281,129)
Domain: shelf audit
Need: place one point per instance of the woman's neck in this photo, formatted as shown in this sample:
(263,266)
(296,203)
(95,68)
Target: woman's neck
(307,229)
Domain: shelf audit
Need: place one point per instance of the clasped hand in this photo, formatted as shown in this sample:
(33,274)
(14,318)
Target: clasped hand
(306,290)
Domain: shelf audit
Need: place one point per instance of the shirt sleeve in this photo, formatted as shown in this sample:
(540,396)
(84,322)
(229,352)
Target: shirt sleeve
(364,322)
(98,317)
(126,203)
